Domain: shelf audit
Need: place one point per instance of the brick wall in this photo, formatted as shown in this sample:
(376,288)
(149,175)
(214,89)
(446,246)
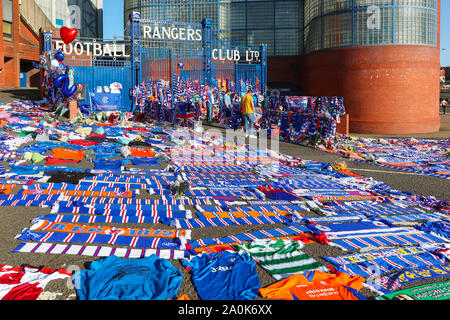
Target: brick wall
(24,46)
(386,89)
(286,70)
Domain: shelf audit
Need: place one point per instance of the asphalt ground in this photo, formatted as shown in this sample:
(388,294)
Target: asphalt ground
(15,219)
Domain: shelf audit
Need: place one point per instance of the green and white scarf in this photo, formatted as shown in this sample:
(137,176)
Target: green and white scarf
(281,258)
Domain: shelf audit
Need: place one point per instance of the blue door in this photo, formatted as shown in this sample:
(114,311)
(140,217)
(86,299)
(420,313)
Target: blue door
(23,80)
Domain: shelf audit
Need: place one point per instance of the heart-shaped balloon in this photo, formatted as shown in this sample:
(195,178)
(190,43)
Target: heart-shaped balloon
(68,35)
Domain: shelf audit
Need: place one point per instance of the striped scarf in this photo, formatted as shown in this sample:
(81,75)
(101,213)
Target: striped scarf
(44,225)
(384,261)
(394,281)
(123,212)
(218,222)
(387,240)
(97,251)
(250,236)
(81,201)
(111,239)
(90,186)
(98,219)
(79,193)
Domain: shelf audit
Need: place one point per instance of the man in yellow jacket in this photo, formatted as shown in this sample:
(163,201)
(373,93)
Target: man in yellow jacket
(248,113)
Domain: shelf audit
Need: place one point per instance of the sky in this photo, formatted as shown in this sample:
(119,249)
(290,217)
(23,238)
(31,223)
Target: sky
(112,18)
(113,25)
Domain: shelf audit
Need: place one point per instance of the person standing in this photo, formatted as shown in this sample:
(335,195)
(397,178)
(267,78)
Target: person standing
(227,107)
(210,104)
(444,105)
(248,113)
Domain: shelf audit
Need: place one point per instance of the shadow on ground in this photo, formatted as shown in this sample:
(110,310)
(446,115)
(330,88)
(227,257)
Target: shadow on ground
(14,94)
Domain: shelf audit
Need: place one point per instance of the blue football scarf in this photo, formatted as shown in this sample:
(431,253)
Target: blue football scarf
(250,236)
(82,187)
(334,219)
(224,276)
(13,197)
(275,207)
(306,183)
(97,251)
(83,201)
(111,239)
(122,206)
(389,262)
(249,177)
(235,180)
(153,180)
(359,257)
(120,212)
(124,210)
(375,211)
(344,228)
(100,219)
(370,233)
(387,240)
(395,281)
(218,222)
(26,203)
(354,205)
(125,186)
(438,228)
(407,218)
(271,203)
(131,173)
(135,181)
(223,193)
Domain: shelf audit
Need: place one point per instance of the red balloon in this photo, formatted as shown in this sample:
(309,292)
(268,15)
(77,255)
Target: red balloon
(68,35)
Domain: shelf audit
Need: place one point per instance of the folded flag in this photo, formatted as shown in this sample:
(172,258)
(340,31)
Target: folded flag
(27,283)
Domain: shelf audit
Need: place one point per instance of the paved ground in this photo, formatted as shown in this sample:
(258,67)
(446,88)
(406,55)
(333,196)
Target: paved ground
(14,94)
(443,133)
(14,219)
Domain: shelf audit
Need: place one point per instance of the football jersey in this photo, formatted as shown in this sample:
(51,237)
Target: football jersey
(316,285)
(114,278)
(224,275)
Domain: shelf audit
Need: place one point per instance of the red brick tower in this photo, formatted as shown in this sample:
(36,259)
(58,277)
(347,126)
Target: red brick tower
(389,77)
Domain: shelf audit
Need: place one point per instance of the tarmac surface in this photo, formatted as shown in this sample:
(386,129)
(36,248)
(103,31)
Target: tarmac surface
(14,219)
